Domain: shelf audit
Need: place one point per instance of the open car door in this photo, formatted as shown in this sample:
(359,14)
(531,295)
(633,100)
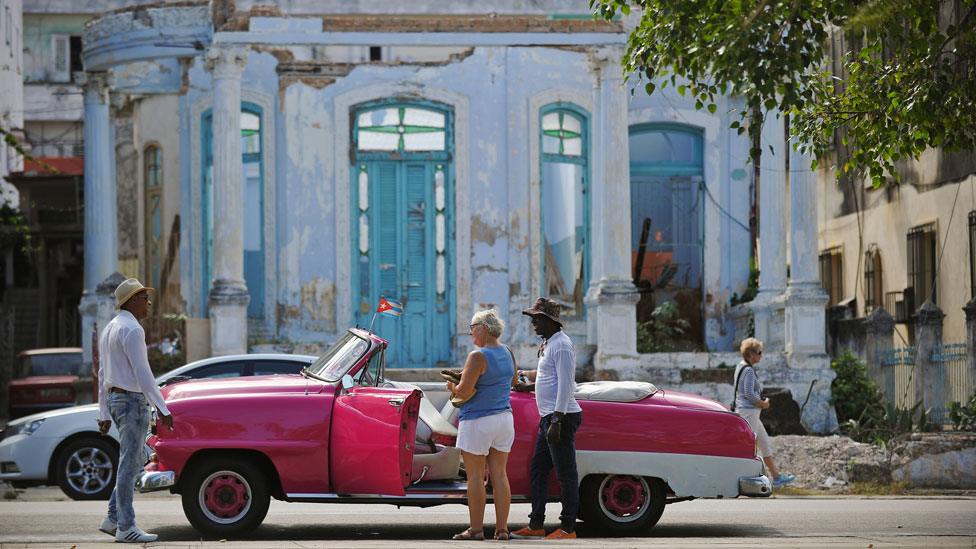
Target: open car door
(371,450)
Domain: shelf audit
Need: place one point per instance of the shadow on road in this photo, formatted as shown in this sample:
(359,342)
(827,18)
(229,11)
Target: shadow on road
(358,532)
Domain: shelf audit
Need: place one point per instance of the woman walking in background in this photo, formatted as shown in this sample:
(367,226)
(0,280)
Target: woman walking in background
(749,403)
(486,430)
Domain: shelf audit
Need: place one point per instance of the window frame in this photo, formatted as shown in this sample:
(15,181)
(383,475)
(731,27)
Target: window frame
(583,160)
(831,264)
(921,242)
(874,295)
(972,254)
(60,44)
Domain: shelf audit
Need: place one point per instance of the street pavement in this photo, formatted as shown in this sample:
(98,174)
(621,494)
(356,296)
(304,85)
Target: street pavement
(42,517)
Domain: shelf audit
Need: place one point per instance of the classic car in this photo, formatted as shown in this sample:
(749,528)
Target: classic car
(62,447)
(45,380)
(340,432)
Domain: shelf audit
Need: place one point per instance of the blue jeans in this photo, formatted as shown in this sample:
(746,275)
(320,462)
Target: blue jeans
(131,417)
(562,456)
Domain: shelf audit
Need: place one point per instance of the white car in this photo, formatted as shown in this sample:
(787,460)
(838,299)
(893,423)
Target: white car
(63,446)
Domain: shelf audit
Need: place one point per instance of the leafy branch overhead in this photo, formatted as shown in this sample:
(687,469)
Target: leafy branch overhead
(903,83)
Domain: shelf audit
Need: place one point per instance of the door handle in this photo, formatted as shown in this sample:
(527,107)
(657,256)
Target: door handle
(395,402)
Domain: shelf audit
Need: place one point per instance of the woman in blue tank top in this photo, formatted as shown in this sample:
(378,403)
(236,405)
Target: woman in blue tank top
(486,430)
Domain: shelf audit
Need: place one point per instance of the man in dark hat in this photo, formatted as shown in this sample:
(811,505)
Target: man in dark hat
(555,385)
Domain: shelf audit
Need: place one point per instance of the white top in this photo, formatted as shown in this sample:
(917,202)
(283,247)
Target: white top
(124,363)
(555,381)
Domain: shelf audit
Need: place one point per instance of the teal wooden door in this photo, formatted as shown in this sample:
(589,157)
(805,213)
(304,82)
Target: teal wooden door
(401,228)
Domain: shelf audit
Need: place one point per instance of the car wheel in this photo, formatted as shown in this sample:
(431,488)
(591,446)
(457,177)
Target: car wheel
(85,468)
(623,504)
(225,499)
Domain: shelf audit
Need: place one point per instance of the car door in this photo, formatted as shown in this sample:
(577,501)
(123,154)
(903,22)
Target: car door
(372,440)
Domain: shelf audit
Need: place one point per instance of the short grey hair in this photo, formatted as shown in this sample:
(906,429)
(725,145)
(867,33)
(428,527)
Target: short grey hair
(491,320)
(749,345)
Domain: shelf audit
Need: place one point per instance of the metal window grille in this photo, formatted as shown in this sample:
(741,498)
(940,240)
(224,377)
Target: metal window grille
(972,254)
(921,265)
(873,289)
(832,275)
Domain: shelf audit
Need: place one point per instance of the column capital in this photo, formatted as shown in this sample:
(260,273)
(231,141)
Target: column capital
(225,61)
(607,61)
(929,314)
(970,309)
(96,84)
(879,322)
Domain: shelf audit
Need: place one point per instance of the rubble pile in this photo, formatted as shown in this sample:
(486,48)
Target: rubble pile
(830,463)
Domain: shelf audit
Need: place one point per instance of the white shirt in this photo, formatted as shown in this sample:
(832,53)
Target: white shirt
(555,380)
(124,363)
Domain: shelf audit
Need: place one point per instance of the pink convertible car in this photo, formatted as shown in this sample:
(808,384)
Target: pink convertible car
(341,433)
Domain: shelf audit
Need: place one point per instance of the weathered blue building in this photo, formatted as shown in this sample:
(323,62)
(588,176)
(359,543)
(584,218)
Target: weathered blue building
(297,164)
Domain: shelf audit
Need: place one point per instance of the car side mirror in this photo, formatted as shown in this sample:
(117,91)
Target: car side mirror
(347,383)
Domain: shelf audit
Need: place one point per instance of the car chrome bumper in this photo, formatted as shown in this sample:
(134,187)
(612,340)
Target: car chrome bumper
(151,481)
(755,487)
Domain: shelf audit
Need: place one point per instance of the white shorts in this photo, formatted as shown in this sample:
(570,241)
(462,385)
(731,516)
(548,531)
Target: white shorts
(751,415)
(477,436)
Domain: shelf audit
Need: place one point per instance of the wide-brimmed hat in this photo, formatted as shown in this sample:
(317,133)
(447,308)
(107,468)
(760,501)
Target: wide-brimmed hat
(127,289)
(544,307)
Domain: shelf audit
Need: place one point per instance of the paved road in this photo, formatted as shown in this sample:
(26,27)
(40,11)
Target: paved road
(41,518)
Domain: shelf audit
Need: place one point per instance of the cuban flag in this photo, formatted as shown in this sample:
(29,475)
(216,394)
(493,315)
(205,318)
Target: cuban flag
(388,307)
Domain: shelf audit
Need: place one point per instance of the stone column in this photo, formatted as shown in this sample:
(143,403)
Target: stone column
(611,297)
(928,375)
(805,298)
(768,305)
(101,211)
(101,225)
(97,308)
(228,292)
(879,332)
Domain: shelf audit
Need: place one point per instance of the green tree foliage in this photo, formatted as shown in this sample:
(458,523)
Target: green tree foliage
(910,83)
(861,408)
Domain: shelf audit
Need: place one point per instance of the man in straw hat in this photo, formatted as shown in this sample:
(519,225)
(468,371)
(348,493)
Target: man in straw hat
(125,383)
(555,385)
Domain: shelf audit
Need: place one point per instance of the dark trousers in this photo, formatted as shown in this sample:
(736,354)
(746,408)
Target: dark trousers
(562,456)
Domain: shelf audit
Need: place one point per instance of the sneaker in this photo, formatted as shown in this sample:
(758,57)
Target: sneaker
(108,526)
(784,478)
(134,535)
(528,532)
(559,533)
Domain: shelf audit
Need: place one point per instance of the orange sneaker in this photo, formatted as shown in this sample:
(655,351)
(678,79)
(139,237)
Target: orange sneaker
(559,533)
(527,532)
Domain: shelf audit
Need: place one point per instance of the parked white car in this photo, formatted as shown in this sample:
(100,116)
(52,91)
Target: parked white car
(63,446)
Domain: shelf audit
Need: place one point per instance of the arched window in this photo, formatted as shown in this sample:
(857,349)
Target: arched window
(152,159)
(667,220)
(565,205)
(873,286)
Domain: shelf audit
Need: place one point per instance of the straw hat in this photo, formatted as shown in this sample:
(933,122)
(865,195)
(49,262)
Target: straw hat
(127,289)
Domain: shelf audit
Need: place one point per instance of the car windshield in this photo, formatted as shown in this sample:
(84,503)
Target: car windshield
(54,364)
(339,358)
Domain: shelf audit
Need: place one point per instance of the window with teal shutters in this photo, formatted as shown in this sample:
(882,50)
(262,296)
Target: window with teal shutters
(565,206)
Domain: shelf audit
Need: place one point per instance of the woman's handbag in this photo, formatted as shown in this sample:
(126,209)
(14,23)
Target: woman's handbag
(454,376)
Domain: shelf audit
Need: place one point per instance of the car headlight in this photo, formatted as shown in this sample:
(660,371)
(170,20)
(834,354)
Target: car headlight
(26,428)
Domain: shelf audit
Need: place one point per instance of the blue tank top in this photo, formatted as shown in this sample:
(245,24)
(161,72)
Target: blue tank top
(494,386)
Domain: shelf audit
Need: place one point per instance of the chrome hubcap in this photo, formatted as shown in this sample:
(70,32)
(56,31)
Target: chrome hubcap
(89,470)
